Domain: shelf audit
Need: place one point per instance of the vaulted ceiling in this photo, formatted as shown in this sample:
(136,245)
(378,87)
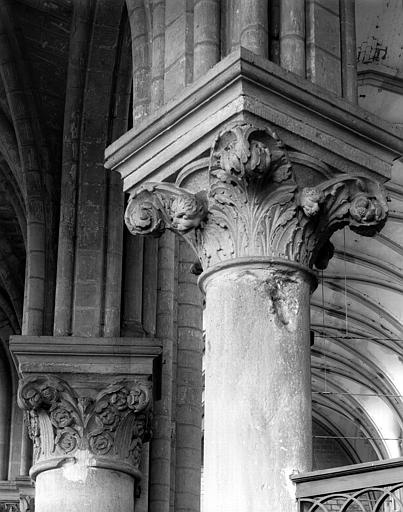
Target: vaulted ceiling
(39,80)
(34,49)
(357,310)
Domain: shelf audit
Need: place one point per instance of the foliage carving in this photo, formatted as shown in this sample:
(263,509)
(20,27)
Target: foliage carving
(255,206)
(114,424)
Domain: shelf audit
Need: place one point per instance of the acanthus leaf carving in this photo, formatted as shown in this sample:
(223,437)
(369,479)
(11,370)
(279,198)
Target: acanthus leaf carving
(9,507)
(27,504)
(255,206)
(244,151)
(251,203)
(60,422)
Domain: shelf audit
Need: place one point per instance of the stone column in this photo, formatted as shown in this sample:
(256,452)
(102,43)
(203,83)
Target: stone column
(348,50)
(258,376)
(87,419)
(5,415)
(87,451)
(254,30)
(258,230)
(292,36)
(206,36)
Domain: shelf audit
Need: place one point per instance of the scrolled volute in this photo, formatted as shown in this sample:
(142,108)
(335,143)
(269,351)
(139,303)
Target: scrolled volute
(60,422)
(355,201)
(51,414)
(155,207)
(41,392)
(256,204)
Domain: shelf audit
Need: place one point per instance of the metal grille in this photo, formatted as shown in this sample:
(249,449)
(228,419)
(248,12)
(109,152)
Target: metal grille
(373,499)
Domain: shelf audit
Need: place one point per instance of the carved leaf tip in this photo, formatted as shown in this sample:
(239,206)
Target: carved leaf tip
(245,151)
(143,214)
(356,201)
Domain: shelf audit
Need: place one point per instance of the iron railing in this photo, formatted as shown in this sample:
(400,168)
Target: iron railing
(369,487)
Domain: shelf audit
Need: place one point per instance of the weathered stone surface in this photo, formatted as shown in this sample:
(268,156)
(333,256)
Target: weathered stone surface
(257,228)
(84,488)
(247,89)
(87,406)
(254,205)
(73,76)
(61,423)
(257,379)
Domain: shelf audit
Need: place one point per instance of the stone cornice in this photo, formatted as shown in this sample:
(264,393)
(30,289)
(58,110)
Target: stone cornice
(42,354)
(380,77)
(245,87)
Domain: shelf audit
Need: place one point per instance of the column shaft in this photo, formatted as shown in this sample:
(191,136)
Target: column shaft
(26,451)
(5,415)
(158,54)
(141,61)
(174,379)
(91,243)
(150,274)
(178,46)
(323,61)
(254,30)
(234,23)
(275,31)
(133,287)
(206,36)
(257,388)
(160,454)
(188,386)
(20,459)
(79,44)
(92,490)
(114,255)
(348,50)
(292,36)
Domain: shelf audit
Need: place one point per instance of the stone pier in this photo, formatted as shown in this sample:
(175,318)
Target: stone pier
(87,419)
(258,228)
(258,384)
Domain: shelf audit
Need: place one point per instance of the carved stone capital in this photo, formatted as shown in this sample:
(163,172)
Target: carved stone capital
(27,504)
(112,426)
(255,206)
(9,507)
